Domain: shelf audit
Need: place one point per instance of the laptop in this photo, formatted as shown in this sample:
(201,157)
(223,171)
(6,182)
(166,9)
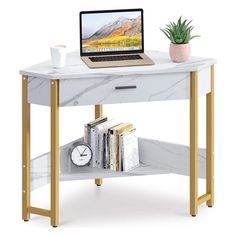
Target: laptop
(112,38)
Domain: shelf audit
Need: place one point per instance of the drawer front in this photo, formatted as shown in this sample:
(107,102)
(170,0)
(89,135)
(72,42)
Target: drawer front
(123,89)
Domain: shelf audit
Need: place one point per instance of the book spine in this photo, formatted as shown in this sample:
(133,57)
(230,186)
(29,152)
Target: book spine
(93,145)
(86,134)
(120,152)
(111,142)
(96,147)
(108,151)
(114,150)
(89,135)
(105,151)
(100,149)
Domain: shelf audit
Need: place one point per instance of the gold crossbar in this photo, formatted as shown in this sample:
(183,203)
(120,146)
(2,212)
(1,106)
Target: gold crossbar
(204,198)
(39,211)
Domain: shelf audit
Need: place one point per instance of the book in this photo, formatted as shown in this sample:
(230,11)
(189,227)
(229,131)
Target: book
(96,141)
(101,135)
(111,150)
(107,150)
(118,131)
(87,128)
(131,129)
(129,150)
(105,157)
(89,134)
(112,145)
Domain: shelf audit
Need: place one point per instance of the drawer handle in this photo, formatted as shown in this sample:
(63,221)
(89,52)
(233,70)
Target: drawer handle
(126,87)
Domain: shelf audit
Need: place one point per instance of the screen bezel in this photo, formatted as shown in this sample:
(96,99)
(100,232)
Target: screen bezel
(110,52)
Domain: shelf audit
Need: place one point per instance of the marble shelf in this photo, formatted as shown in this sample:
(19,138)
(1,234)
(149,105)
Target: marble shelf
(156,157)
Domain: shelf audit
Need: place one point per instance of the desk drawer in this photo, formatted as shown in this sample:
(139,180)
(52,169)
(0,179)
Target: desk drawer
(111,89)
(123,89)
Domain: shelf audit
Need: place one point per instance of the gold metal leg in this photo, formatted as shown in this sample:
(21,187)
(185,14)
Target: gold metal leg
(210,141)
(98,182)
(25,150)
(54,153)
(208,197)
(98,113)
(193,143)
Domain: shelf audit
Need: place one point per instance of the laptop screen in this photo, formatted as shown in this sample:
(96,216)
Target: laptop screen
(111,32)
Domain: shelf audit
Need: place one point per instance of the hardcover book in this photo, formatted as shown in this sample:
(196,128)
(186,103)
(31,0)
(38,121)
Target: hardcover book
(129,150)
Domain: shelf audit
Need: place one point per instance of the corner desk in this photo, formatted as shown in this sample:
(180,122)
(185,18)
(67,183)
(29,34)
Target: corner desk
(77,85)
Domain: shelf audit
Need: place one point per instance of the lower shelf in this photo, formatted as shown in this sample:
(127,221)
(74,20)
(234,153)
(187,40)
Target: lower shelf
(156,157)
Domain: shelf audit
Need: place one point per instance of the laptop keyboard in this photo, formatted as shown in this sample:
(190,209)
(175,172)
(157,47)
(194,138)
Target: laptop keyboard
(116,58)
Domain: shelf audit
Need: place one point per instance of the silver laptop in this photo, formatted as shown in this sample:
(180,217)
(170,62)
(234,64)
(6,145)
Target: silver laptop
(112,38)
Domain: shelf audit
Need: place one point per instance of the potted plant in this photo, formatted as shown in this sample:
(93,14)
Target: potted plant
(179,34)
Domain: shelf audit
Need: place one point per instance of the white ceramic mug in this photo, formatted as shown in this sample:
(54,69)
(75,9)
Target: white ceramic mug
(58,56)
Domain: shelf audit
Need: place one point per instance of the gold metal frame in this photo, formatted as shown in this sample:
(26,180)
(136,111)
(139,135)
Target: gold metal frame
(98,113)
(53,213)
(27,209)
(210,141)
(54,153)
(193,142)
(195,201)
(25,150)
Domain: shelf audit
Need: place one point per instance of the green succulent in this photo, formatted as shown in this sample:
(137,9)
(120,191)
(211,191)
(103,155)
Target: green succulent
(179,32)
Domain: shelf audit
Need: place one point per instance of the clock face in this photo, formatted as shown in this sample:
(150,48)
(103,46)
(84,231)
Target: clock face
(81,154)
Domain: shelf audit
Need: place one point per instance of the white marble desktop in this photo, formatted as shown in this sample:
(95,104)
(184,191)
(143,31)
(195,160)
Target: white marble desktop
(75,67)
(80,85)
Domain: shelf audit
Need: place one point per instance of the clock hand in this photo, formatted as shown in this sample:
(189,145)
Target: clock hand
(78,151)
(83,151)
(84,155)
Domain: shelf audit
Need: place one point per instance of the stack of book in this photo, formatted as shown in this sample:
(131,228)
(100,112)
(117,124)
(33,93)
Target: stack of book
(114,145)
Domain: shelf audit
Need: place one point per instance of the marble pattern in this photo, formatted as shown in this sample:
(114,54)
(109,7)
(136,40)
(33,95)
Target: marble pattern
(80,85)
(76,69)
(150,87)
(38,91)
(155,158)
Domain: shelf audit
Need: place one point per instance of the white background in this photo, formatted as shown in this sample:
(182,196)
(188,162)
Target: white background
(151,204)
